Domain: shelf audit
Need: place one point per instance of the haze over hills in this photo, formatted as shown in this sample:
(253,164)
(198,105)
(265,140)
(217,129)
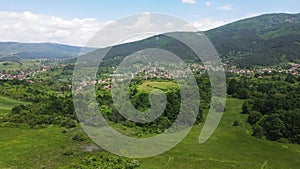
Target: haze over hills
(265,40)
(13,50)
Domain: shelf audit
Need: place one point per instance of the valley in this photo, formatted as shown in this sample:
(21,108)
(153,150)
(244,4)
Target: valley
(260,127)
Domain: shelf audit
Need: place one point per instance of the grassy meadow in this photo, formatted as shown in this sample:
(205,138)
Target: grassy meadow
(150,85)
(229,147)
(8,103)
(18,65)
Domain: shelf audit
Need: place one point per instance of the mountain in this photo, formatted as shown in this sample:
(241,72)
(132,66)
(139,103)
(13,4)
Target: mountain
(13,50)
(264,40)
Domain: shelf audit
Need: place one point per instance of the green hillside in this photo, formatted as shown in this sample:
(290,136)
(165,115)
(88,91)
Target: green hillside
(229,147)
(264,40)
(13,50)
(8,103)
(259,41)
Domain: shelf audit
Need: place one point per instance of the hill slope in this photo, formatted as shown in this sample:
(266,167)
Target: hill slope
(259,41)
(264,40)
(13,50)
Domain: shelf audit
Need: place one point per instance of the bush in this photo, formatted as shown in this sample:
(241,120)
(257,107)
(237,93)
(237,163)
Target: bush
(68,153)
(254,117)
(273,127)
(236,123)
(105,162)
(79,137)
(257,131)
(68,123)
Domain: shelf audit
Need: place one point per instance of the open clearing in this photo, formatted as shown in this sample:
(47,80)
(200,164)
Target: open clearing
(18,65)
(8,103)
(149,86)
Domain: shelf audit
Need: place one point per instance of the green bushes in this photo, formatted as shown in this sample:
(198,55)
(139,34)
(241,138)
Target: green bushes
(254,117)
(68,123)
(56,110)
(272,107)
(79,137)
(104,162)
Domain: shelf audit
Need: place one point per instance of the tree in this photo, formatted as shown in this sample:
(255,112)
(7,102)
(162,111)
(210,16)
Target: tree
(257,131)
(290,78)
(254,117)
(273,127)
(291,120)
(232,86)
(242,93)
(247,107)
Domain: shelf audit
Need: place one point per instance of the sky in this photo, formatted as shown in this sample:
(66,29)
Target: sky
(74,22)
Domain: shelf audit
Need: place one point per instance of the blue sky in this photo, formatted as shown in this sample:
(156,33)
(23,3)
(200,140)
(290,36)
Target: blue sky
(211,13)
(113,9)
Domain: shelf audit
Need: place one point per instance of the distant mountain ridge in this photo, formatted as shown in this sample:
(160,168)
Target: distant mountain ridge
(264,40)
(14,50)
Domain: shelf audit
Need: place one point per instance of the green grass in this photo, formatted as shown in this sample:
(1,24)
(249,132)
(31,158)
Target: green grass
(8,103)
(229,147)
(36,148)
(20,65)
(149,86)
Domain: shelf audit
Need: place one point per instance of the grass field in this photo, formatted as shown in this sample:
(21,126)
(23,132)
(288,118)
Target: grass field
(8,103)
(34,148)
(229,147)
(20,65)
(148,86)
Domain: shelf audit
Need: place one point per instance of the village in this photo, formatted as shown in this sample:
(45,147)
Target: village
(24,74)
(150,72)
(159,73)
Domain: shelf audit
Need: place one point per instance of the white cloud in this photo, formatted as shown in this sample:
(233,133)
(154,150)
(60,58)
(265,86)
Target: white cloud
(207,24)
(189,1)
(208,3)
(29,27)
(226,7)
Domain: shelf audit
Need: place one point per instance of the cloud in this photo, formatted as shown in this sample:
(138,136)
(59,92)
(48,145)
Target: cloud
(137,27)
(226,7)
(29,27)
(189,1)
(207,24)
(208,3)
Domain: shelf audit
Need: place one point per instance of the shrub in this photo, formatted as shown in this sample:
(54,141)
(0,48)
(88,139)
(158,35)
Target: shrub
(236,123)
(257,131)
(79,137)
(68,123)
(254,117)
